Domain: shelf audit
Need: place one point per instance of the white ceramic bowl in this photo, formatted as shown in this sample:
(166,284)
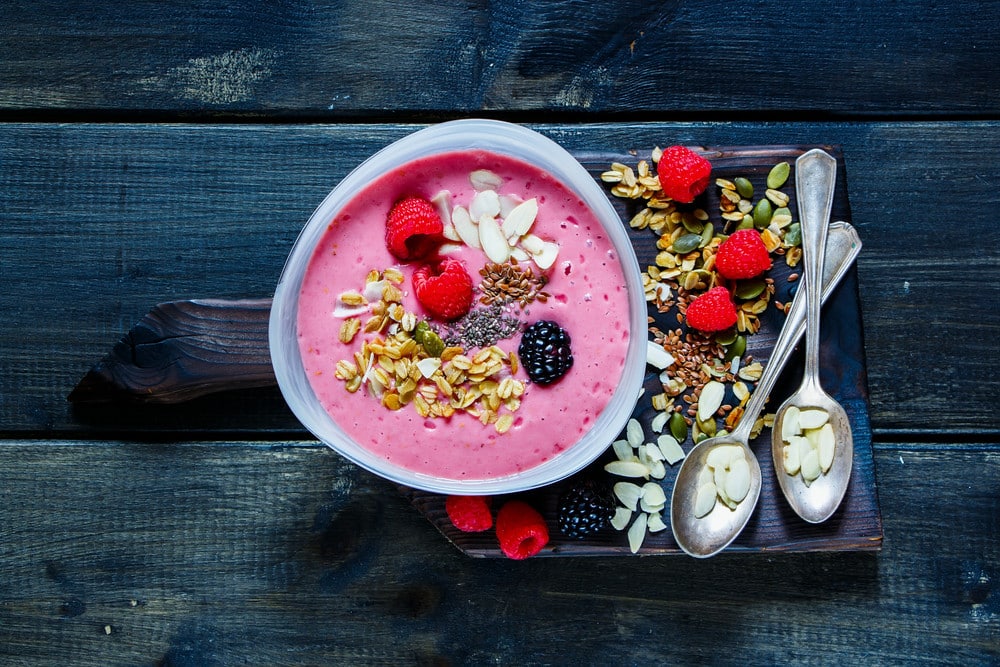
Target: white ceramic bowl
(499,137)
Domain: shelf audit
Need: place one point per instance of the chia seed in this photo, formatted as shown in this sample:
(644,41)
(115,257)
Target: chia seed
(481,327)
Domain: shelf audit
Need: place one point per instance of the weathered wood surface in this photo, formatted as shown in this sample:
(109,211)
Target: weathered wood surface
(213,533)
(229,553)
(316,59)
(121,217)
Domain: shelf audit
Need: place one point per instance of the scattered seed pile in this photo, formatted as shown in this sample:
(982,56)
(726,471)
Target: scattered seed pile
(687,239)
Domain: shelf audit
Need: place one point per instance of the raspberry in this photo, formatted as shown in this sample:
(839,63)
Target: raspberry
(521,530)
(444,290)
(712,311)
(413,228)
(742,255)
(585,508)
(545,352)
(470,514)
(683,173)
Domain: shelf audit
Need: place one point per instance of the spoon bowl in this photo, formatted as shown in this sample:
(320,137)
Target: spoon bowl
(815,502)
(814,499)
(710,534)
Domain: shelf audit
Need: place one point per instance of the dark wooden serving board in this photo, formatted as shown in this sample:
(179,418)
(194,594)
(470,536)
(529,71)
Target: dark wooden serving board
(182,350)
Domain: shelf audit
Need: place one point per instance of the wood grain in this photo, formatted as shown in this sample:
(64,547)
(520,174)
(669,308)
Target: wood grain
(279,554)
(182,350)
(126,216)
(322,59)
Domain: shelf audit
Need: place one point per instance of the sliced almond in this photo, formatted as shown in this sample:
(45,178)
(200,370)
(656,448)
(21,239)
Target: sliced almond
(810,466)
(623,450)
(520,219)
(628,494)
(704,499)
(791,459)
(659,422)
(428,366)
(465,227)
(653,497)
(508,203)
(485,203)
(627,469)
(710,399)
(637,533)
(827,445)
(671,449)
(812,418)
(547,257)
(533,244)
(720,456)
(621,518)
(657,357)
(738,480)
(492,240)
(520,254)
(790,424)
(442,202)
(633,432)
(484,179)
(654,523)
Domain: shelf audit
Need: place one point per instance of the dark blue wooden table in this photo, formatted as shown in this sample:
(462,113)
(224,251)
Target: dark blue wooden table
(154,151)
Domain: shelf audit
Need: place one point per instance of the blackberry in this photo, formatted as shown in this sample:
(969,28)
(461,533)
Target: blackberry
(585,508)
(545,352)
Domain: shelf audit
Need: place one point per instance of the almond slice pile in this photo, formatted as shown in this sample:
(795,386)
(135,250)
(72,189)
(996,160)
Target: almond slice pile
(809,443)
(498,224)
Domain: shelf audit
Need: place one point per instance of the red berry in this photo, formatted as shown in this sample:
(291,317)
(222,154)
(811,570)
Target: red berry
(444,289)
(683,173)
(413,228)
(742,255)
(470,514)
(712,311)
(521,530)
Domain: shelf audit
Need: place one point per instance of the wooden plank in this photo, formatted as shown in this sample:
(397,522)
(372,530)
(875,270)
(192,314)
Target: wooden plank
(98,222)
(334,59)
(222,553)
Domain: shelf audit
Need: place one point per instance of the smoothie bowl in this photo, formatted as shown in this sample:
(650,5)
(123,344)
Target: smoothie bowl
(463,313)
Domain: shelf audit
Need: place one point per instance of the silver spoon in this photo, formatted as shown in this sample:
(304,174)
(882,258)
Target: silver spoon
(815,501)
(711,534)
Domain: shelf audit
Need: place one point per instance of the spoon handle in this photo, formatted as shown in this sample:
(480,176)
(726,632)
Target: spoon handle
(815,176)
(842,249)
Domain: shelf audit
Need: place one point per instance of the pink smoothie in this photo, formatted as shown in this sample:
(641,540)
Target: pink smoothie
(588,299)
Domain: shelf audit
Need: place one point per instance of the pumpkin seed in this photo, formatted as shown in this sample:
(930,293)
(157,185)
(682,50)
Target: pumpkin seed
(793,235)
(692,224)
(678,427)
(706,234)
(762,213)
(727,337)
(737,349)
(749,289)
(744,187)
(686,243)
(746,223)
(778,175)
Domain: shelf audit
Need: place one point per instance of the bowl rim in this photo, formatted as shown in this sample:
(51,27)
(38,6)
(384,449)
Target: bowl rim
(496,136)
